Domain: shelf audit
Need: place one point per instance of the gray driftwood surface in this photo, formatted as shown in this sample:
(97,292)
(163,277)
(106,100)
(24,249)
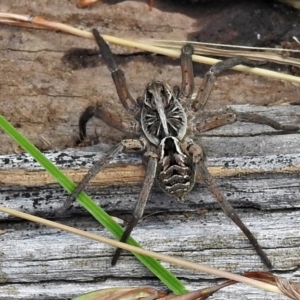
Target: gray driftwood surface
(43,94)
(256,167)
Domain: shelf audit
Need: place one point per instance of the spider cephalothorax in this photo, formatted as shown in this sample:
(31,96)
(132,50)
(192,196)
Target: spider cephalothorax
(162,114)
(160,122)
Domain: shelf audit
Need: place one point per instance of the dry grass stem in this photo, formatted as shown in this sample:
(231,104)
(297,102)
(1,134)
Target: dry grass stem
(14,19)
(162,257)
(263,54)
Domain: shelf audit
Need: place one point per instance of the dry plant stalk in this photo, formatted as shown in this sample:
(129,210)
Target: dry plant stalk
(176,261)
(85,3)
(130,293)
(263,280)
(253,53)
(39,22)
(291,290)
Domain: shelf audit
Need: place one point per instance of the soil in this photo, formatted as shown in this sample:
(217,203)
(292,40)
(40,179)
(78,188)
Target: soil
(48,78)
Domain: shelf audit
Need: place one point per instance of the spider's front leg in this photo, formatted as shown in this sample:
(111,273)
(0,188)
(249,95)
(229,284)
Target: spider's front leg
(187,71)
(141,203)
(111,119)
(231,116)
(196,152)
(209,78)
(117,75)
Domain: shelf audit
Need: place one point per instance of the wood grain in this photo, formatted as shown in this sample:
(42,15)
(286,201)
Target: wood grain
(43,95)
(263,188)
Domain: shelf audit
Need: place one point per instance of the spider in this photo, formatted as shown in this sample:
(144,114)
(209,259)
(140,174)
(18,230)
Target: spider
(163,119)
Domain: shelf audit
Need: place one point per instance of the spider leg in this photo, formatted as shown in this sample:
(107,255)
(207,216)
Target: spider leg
(229,211)
(196,152)
(213,122)
(187,83)
(140,205)
(124,146)
(254,118)
(231,117)
(209,78)
(117,75)
(113,120)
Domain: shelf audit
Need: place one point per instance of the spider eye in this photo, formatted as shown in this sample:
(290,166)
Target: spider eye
(140,101)
(149,101)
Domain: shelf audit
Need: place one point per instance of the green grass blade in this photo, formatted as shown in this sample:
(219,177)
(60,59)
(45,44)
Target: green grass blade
(101,216)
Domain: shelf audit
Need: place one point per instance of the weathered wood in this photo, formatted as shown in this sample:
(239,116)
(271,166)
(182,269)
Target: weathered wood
(43,96)
(41,93)
(263,188)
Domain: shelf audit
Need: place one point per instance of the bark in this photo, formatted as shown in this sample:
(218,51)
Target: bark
(43,92)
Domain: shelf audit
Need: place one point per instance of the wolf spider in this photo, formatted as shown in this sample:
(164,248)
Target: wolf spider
(160,120)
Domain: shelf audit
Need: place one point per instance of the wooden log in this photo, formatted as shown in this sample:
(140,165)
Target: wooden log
(43,94)
(264,188)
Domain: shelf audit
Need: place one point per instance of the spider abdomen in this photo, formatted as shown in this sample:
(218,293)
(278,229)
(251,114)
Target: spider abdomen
(175,171)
